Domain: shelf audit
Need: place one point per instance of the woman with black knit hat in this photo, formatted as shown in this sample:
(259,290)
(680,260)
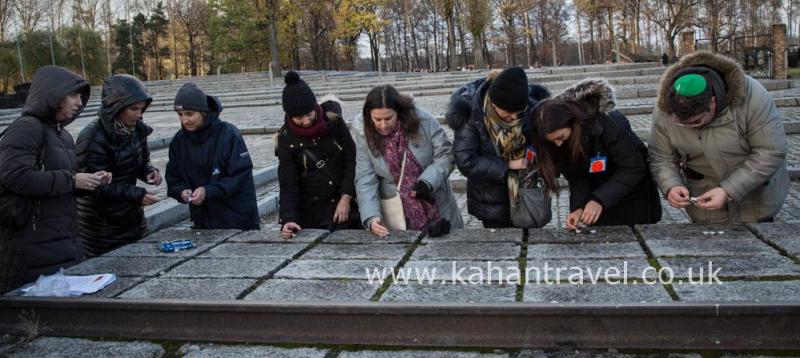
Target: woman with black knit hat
(579,135)
(489,118)
(112,215)
(209,166)
(316,163)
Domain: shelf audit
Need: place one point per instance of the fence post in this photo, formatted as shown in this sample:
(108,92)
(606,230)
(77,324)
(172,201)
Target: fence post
(779,62)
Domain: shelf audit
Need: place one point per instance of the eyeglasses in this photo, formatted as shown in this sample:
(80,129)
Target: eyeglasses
(698,121)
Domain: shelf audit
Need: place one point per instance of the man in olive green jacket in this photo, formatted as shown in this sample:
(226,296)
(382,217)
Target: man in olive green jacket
(717,143)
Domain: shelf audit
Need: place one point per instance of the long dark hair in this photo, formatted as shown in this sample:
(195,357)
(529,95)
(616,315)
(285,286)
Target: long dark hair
(548,117)
(388,97)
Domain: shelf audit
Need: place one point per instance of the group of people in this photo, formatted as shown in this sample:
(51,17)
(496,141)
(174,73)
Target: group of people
(716,147)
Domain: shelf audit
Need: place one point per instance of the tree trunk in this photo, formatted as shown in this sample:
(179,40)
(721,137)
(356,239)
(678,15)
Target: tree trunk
(273,40)
(451,44)
(528,43)
(413,41)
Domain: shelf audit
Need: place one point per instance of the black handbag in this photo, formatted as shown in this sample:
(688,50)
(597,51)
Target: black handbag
(533,206)
(16,209)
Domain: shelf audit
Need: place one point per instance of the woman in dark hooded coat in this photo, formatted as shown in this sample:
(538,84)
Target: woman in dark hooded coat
(116,142)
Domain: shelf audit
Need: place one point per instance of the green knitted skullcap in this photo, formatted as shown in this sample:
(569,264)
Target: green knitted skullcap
(690,85)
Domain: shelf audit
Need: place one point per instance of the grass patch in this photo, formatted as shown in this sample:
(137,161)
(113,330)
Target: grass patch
(794,73)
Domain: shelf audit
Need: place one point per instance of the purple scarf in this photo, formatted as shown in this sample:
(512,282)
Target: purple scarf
(418,212)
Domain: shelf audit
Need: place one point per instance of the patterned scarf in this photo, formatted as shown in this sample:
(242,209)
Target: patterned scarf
(418,212)
(508,141)
(123,130)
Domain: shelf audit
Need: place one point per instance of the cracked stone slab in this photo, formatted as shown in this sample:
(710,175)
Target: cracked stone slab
(602,234)
(786,236)
(305,236)
(586,250)
(190,288)
(708,247)
(118,286)
(226,268)
(693,231)
(601,354)
(206,236)
(467,251)
(513,236)
(633,292)
(732,267)
(588,270)
(420,354)
(123,266)
(152,249)
(207,350)
(314,290)
(331,269)
(740,291)
(460,293)
(365,237)
(351,251)
(254,250)
(76,347)
(459,271)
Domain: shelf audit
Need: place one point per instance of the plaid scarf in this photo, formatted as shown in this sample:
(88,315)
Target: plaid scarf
(123,130)
(508,141)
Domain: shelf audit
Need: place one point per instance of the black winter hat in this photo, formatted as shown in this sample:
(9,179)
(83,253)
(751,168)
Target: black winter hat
(298,99)
(509,90)
(191,98)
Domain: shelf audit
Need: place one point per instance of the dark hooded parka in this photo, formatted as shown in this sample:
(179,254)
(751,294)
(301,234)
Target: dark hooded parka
(112,215)
(215,157)
(47,239)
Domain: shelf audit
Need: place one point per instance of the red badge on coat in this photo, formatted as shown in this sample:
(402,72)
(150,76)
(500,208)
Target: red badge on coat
(597,164)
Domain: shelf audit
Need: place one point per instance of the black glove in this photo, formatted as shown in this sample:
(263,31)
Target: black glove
(438,228)
(423,191)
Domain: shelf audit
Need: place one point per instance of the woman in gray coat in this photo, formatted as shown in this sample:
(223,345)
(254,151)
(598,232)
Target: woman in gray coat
(395,129)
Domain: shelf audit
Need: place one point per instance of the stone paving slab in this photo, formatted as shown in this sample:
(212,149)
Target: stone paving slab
(76,347)
(420,354)
(575,270)
(708,247)
(226,268)
(306,236)
(211,236)
(601,354)
(365,237)
(119,285)
(586,251)
(314,290)
(123,266)
(206,350)
(561,236)
(454,272)
(190,288)
(152,249)
(692,231)
(254,250)
(456,293)
(467,251)
(480,235)
(733,267)
(596,293)
(355,251)
(332,269)
(785,236)
(740,291)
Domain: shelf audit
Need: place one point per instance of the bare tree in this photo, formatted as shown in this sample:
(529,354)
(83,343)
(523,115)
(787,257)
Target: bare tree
(6,16)
(29,12)
(478,16)
(672,16)
(193,15)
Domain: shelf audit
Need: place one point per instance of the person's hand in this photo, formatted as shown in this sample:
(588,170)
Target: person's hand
(154,178)
(518,164)
(289,229)
(713,199)
(150,198)
(377,228)
(342,213)
(198,196)
(591,212)
(678,197)
(421,191)
(186,195)
(105,177)
(87,181)
(573,219)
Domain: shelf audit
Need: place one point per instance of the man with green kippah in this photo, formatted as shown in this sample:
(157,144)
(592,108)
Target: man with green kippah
(717,144)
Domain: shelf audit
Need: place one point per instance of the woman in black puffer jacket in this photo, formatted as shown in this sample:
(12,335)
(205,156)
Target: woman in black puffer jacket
(116,142)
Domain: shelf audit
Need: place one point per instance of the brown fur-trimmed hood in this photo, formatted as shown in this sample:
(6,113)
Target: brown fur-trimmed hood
(596,94)
(732,74)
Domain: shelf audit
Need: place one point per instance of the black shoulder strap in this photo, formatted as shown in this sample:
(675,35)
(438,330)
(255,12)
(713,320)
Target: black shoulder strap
(322,165)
